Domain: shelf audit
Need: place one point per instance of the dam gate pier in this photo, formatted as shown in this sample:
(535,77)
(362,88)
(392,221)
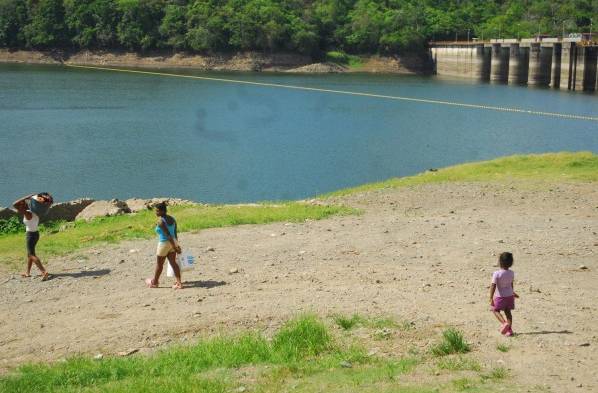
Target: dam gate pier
(561,63)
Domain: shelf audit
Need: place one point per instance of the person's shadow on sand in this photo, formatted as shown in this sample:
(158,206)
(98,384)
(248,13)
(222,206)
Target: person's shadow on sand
(81,274)
(545,332)
(204,284)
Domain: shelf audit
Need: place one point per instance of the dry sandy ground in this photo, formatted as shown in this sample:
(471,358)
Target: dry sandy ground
(421,254)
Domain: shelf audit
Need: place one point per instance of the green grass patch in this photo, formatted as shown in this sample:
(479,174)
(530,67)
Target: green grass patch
(355,62)
(302,356)
(342,58)
(380,375)
(458,363)
(300,338)
(387,323)
(463,384)
(452,342)
(553,167)
(348,323)
(496,374)
(355,320)
(64,238)
(503,348)
(337,56)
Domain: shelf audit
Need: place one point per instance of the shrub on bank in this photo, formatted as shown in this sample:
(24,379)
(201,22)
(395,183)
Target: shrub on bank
(11,225)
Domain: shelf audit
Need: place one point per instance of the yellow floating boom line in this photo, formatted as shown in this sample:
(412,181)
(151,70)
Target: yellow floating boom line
(352,93)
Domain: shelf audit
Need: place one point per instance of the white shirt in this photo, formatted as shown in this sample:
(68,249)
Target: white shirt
(31,225)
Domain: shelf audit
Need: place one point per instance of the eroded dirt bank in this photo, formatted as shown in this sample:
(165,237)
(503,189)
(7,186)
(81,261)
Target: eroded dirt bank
(251,61)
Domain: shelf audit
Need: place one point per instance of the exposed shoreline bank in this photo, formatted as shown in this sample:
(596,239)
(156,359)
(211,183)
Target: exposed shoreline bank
(570,165)
(241,62)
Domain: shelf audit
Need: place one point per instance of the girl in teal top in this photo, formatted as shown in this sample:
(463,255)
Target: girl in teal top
(168,247)
(162,237)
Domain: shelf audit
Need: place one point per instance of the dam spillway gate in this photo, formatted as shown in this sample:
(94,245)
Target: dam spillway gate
(561,63)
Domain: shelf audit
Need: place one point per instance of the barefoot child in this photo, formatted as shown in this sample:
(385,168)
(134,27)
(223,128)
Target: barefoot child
(502,295)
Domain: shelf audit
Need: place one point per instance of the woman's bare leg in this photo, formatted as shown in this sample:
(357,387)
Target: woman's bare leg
(175,268)
(38,263)
(27,272)
(158,271)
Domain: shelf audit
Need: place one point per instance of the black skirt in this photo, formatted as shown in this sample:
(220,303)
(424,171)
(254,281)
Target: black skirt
(32,238)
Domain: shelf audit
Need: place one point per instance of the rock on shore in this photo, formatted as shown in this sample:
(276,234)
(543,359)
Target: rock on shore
(6,213)
(112,207)
(67,211)
(116,207)
(136,204)
(320,68)
(88,209)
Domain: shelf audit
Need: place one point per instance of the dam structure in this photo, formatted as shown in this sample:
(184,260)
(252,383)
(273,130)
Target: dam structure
(561,63)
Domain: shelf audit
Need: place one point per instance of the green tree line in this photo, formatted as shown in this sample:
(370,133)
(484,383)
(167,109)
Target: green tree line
(303,26)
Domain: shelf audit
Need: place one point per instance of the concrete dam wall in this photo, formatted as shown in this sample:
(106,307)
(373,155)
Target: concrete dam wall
(567,63)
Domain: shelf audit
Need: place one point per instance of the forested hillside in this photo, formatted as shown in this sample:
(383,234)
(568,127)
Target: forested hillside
(308,27)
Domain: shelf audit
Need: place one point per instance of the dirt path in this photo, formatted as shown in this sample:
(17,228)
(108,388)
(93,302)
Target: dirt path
(424,255)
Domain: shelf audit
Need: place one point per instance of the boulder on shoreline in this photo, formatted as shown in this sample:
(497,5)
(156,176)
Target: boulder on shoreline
(112,207)
(137,204)
(6,213)
(67,211)
(320,68)
(88,209)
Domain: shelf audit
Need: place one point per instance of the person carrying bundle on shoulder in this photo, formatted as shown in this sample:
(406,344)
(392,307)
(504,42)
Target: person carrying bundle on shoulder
(32,207)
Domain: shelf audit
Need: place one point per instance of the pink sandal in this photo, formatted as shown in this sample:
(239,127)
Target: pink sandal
(505,328)
(150,283)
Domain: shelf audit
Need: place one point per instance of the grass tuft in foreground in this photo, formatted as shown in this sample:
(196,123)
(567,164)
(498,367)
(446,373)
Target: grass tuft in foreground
(581,166)
(349,322)
(497,373)
(452,342)
(301,338)
(63,238)
(458,363)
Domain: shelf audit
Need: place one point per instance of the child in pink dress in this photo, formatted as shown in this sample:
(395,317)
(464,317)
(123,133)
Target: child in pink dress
(502,295)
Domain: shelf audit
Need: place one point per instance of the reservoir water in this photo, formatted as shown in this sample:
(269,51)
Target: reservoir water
(99,134)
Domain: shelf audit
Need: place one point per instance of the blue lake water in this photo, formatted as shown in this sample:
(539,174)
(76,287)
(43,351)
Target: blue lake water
(101,134)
